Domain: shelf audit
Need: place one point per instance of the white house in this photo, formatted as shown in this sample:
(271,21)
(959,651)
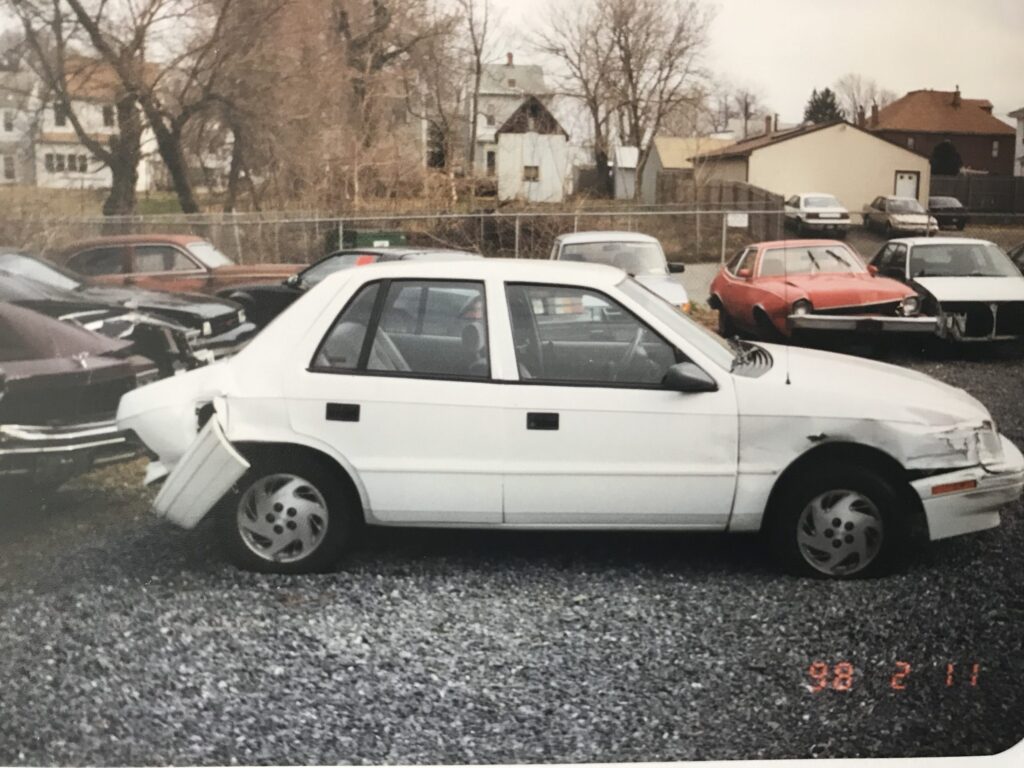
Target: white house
(502,90)
(624,172)
(1018,155)
(839,158)
(533,157)
(17,159)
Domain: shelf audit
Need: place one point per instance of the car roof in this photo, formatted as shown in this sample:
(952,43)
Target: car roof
(597,236)
(96,242)
(796,243)
(815,194)
(912,241)
(515,270)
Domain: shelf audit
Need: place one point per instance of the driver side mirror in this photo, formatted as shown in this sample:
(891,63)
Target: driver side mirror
(292,281)
(687,377)
(744,274)
(676,267)
(873,270)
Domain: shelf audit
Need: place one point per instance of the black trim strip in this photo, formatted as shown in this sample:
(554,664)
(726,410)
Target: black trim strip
(372,323)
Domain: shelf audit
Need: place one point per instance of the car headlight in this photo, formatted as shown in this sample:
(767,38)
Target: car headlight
(911,305)
(802,307)
(990,446)
(207,328)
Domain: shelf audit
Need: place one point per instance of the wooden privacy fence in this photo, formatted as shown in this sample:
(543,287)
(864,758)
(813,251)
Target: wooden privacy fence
(984,194)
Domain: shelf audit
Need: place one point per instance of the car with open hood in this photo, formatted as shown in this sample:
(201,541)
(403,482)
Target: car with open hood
(217,327)
(165,262)
(811,288)
(636,254)
(60,386)
(552,395)
(264,302)
(971,286)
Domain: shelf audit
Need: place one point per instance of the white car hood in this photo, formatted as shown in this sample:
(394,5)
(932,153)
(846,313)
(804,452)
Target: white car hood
(974,288)
(666,286)
(827,385)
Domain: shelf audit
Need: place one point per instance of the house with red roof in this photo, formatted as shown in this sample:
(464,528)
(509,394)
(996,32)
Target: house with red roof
(934,122)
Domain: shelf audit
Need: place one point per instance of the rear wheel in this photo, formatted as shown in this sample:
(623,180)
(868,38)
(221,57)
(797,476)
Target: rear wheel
(288,515)
(726,326)
(838,522)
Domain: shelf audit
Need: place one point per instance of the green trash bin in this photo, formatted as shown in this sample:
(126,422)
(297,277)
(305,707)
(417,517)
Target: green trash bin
(364,238)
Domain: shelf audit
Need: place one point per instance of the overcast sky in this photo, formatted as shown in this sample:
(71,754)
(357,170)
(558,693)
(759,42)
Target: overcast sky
(784,48)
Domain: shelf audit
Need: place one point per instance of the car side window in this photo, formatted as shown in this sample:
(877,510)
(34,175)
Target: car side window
(898,262)
(161,258)
(793,202)
(99,261)
(342,346)
(737,262)
(571,335)
(883,257)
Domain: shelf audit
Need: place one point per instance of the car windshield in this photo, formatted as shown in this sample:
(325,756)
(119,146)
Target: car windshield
(944,202)
(22,265)
(208,254)
(633,258)
(333,264)
(711,344)
(904,205)
(821,201)
(799,260)
(961,260)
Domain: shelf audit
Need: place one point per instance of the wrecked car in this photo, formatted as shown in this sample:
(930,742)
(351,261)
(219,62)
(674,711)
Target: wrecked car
(551,395)
(59,390)
(218,328)
(811,289)
(971,286)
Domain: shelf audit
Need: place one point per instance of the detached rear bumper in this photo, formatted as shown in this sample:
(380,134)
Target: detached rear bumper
(862,324)
(226,344)
(976,507)
(53,454)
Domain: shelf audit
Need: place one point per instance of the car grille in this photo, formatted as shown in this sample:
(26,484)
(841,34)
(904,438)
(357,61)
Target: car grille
(66,403)
(224,323)
(883,308)
(977,320)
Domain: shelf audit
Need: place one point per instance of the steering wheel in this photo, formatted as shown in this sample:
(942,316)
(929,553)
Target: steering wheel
(630,355)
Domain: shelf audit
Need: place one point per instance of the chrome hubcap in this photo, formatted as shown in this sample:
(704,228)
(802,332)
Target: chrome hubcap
(282,518)
(840,532)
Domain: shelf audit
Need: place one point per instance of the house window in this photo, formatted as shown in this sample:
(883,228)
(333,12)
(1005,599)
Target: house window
(511,82)
(108,116)
(492,162)
(8,168)
(50,162)
(531,173)
(995,149)
(910,142)
(59,159)
(60,115)
(489,119)
(83,163)
(8,121)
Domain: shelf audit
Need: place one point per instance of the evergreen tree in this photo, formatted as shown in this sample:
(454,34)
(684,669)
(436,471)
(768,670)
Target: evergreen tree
(823,107)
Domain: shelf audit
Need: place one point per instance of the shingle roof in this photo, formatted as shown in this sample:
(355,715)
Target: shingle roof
(935,112)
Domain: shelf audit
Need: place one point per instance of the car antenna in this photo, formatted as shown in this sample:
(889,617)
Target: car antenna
(785,287)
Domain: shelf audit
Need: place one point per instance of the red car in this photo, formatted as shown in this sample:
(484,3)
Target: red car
(779,289)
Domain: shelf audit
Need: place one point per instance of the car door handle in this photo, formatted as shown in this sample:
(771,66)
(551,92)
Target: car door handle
(543,421)
(342,412)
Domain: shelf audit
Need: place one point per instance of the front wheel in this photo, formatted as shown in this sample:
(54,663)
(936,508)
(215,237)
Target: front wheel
(838,522)
(288,516)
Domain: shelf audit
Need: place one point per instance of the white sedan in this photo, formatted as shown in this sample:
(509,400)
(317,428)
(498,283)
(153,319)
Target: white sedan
(525,394)
(817,212)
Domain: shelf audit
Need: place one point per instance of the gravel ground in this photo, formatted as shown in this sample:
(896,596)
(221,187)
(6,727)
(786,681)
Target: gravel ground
(125,641)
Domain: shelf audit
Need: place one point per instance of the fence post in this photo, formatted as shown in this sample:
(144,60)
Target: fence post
(517,236)
(341,235)
(725,223)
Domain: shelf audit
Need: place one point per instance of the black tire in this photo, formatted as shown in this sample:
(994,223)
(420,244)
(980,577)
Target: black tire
(889,231)
(340,520)
(801,229)
(841,234)
(783,525)
(726,326)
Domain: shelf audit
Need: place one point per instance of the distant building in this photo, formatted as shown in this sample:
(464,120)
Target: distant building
(503,87)
(17,156)
(673,153)
(838,158)
(921,121)
(1018,159)
(624,172)
(532,157)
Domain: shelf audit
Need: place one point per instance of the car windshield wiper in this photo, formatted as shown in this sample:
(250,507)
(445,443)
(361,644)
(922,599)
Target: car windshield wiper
(838,258)
(814,261)
(743,352)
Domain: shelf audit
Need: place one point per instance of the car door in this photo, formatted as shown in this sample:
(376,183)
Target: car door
(593,438)
(735,291)
(107,265)
(401,387)
(165,267)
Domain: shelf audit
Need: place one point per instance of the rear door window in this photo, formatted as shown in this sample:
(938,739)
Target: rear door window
(162,258)
(99,261)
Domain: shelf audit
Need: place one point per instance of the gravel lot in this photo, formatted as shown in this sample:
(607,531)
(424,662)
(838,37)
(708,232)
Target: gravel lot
(124,641)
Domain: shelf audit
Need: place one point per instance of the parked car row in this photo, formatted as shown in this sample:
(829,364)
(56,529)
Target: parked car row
(822,213)
(959,289)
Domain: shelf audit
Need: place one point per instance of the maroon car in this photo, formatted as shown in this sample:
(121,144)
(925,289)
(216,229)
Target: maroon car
(60,386)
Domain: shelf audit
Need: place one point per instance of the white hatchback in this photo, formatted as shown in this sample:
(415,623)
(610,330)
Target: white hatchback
(525,394)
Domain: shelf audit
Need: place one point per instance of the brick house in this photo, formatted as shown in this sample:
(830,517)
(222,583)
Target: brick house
(922,120)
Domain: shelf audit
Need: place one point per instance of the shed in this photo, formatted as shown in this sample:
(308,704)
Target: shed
(624,172)
(533,162)
(673,153)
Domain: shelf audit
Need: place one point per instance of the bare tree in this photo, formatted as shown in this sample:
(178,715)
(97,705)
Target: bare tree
(50,39)
(857,93)
(748,106)
(582,43)
(657,53)
(476,15)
